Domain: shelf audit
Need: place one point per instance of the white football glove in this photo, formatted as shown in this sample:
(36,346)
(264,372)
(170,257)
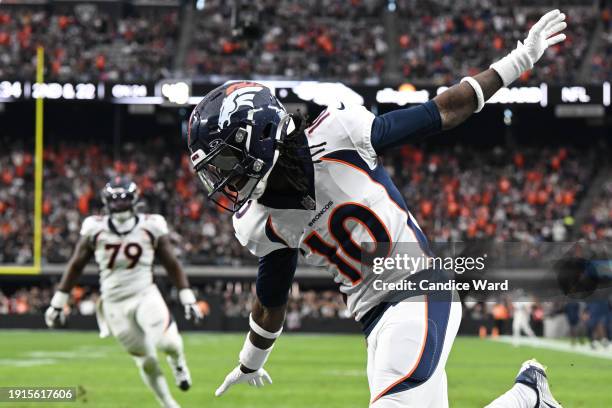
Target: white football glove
(192,311)
(54,315)
(542,35)
(257,378)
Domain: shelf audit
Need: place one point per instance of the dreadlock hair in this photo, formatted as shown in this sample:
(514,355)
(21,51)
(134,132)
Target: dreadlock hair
(295,154)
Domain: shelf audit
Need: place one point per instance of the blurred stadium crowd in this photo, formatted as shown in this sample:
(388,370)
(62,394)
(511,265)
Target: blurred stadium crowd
(599,224)
(442,41)
(74,176)
(237,298)
(583,321)
(88,44)
(526,194)
(433,41)
(304,39)
(521,194)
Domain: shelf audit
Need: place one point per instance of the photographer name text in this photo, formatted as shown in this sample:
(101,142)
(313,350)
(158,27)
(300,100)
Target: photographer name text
(425,285)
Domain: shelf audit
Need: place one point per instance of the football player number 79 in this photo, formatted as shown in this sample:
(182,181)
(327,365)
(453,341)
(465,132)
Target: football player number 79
(131,251)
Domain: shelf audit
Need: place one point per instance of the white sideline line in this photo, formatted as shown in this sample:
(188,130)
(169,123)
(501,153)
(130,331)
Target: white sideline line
(47,357)
(15,362)
(556,345)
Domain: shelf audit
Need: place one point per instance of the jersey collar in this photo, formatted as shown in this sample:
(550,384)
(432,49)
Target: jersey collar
(114,229)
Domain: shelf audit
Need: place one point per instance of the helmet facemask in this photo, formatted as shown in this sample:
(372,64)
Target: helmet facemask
(120,201)
(231,171)
(234,134)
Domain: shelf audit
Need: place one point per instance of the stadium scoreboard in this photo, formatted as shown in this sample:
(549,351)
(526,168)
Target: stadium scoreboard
(181,92)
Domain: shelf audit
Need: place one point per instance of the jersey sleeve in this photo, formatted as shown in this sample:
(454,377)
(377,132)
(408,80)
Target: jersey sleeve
(256,231)
(357,122)
(403,126)
(345,127)
(91,226)
(156,224)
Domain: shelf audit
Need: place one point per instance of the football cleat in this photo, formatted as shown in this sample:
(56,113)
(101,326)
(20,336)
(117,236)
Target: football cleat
(533,375)
(181,373)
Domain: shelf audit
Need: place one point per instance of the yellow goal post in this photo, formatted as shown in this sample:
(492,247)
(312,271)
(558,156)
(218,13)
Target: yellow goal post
(35,268)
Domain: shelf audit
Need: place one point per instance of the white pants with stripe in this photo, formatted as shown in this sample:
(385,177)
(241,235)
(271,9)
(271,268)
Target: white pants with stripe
(138,322)
(395,348)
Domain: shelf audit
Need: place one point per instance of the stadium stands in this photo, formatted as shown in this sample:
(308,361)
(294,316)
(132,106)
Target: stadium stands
(88,43)
(74,176)
(237,298)
(420,42)
(443,41)
(299,40)
(25,300)
(601,63)
(525,194)
(522,195)
(598,226)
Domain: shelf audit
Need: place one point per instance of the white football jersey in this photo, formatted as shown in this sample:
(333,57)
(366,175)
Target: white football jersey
(356,204)
(125,259)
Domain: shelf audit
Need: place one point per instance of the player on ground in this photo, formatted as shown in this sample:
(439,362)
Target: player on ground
(124,245)
(319,191)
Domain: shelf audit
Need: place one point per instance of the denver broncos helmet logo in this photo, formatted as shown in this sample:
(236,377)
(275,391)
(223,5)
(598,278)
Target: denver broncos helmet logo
(238,95)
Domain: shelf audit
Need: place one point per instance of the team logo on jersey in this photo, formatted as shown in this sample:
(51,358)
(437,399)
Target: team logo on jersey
(241,95)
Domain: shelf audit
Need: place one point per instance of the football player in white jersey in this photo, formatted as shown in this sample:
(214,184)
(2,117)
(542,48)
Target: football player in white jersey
(318,191)
(125,244)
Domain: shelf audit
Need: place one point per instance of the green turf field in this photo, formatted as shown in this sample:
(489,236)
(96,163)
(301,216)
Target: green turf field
(308,371)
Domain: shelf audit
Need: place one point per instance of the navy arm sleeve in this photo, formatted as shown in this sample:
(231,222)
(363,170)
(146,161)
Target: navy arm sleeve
(275,276)
(405,126)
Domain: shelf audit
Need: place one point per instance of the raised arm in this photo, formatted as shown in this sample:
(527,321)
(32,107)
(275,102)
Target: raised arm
(274,278)
(460,101)
(82,254)
(164,252)
(456,104)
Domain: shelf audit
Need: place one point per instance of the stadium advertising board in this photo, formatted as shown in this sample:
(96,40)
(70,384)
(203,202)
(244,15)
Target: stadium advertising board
(172,92)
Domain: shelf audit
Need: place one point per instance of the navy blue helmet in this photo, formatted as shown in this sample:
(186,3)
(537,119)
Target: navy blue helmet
(233,137)
(120,194)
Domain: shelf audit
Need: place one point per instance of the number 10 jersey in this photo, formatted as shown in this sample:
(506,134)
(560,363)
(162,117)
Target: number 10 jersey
(358,212)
